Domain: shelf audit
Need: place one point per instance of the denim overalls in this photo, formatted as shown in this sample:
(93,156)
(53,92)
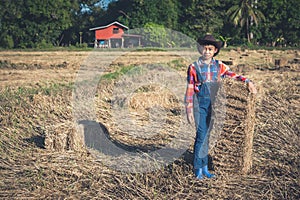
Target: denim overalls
(203,102)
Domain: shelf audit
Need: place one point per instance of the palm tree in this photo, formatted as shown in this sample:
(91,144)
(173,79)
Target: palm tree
(245,14)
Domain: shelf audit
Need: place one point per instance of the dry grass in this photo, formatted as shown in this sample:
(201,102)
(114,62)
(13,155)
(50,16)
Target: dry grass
(28,170)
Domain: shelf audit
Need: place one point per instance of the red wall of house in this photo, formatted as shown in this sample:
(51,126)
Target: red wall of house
(104,34)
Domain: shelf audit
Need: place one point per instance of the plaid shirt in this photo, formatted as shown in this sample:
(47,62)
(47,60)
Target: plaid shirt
(210,73)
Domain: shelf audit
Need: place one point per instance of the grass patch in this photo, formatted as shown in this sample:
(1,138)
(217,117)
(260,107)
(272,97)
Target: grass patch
(178,64)
(130,69)
(23,91)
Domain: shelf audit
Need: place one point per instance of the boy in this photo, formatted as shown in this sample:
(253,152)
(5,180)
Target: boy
(203,78)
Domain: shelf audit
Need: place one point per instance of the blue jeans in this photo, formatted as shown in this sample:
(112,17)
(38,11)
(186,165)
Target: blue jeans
(202,115)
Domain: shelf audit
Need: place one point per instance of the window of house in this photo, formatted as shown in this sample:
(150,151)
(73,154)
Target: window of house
(115,30)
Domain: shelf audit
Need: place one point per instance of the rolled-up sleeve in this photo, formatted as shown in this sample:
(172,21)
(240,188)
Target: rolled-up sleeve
(191,77)
(225,72)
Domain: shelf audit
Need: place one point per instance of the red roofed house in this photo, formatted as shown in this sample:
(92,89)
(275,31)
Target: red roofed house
(113,36)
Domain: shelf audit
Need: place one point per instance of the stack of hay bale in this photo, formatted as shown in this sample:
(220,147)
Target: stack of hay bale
(232,152)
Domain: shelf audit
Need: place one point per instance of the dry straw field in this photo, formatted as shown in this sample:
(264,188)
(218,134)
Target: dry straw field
(43,155)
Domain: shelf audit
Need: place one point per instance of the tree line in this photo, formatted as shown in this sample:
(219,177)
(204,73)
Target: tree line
(46,23)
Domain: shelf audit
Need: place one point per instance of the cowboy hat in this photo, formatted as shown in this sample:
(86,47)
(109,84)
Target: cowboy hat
(209,40)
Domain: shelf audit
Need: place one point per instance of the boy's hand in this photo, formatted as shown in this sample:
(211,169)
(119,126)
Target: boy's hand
(189,113)
(252,88)
(190,117)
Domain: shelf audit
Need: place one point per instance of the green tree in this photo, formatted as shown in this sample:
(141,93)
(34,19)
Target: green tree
(7,42)
(34,23)
(137,13)
(86,16)
(199,17)
(10,15)
(244,14)
(282,22)
(155,35)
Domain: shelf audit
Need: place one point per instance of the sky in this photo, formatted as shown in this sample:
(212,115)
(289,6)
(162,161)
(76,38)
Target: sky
(103,3)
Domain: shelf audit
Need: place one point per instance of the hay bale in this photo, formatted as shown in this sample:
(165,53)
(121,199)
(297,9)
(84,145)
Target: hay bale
(249,131)
(64,137)
(233,150)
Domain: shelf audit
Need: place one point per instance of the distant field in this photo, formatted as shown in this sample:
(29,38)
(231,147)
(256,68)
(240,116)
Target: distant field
(36,93)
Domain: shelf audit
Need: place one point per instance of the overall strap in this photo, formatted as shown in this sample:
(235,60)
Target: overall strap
(218,70)
(217,61)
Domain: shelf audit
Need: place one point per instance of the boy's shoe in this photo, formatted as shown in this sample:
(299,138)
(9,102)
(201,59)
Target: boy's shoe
(198,174)
(206,173)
